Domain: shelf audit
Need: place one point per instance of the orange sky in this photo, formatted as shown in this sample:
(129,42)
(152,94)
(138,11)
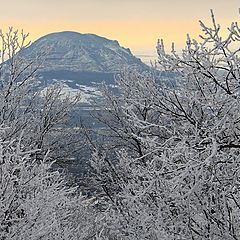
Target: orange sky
(136,24)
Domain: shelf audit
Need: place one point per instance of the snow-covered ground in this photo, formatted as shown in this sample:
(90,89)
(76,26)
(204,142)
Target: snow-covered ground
(88,94)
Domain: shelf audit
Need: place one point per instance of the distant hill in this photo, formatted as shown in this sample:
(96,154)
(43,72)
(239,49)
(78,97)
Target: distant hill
(80,62)
(74,51)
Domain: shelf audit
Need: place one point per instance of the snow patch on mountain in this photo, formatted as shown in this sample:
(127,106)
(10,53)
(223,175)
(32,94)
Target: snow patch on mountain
(87,94)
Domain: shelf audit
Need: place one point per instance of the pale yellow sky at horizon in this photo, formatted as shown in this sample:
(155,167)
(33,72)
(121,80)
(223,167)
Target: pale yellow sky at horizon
(136,24)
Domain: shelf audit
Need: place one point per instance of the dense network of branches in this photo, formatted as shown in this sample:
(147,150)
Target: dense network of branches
(175,174)
(36,201)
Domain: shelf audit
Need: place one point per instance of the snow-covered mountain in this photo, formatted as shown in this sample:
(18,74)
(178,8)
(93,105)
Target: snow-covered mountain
(80,62)
(74,51)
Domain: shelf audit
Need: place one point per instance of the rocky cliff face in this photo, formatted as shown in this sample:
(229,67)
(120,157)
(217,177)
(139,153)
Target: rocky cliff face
(74,51)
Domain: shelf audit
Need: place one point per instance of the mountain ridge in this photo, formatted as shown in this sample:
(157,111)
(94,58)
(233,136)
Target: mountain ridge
(87,52)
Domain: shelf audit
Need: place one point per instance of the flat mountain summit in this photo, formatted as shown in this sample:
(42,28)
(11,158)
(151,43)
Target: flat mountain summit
(73,51)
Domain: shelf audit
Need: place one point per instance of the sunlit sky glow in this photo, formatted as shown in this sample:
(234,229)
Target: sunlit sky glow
(136,24)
